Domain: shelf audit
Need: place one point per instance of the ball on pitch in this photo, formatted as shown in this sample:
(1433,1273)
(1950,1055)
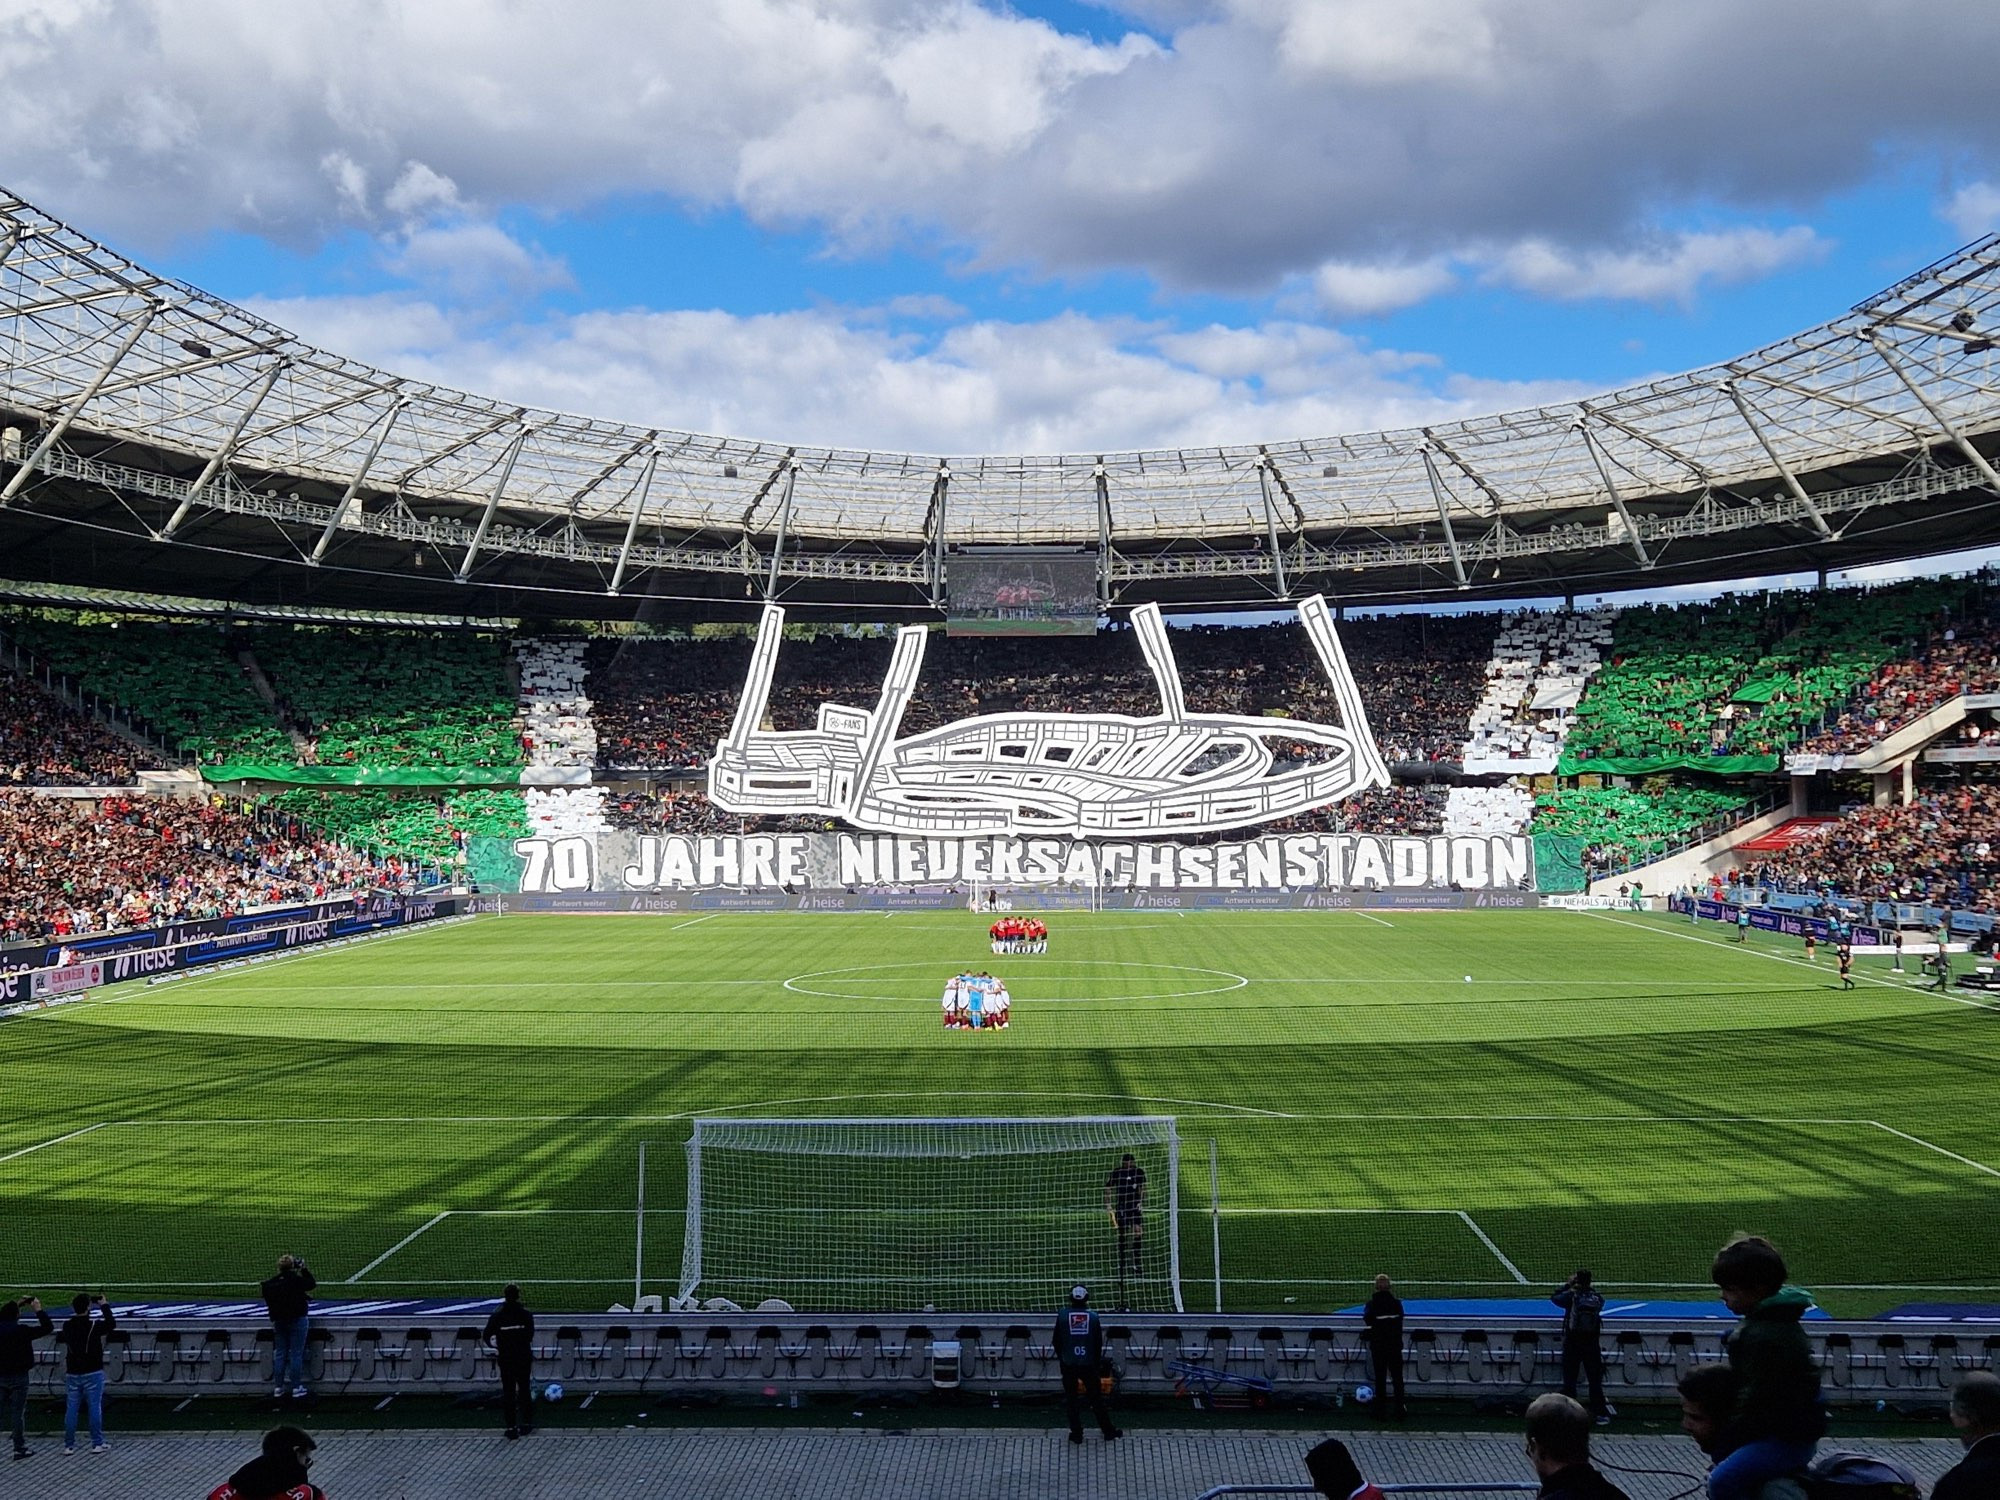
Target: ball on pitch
(1468,979)
(552,1392)
(1364,1393)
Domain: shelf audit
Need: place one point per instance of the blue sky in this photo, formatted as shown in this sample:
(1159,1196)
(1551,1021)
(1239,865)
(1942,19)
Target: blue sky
(953,227)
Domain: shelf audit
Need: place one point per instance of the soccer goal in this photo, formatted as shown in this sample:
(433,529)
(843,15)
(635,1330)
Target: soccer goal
(966,1214)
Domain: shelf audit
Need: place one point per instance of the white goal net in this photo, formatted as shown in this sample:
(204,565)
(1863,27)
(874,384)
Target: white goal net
(965,1214)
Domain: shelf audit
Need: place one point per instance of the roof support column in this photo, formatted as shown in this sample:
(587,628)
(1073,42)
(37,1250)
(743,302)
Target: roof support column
(1744,410)
(1271,527)
(354,485)
(640,492)
(1444,514)
(784,524)
(1617,500)
(492,504)
(55,433)
(221,455)
(940,499)
(1895,365)
(1102,481)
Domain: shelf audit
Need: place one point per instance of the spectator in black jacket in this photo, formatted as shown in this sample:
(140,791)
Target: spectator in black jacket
(1975,1412)
(288,1295)
(1583,1323)
(17,1363)
(1382,1320)
(511,1332)
(1559,1448)
(278,1472)
(1080,1353)
(82,1342)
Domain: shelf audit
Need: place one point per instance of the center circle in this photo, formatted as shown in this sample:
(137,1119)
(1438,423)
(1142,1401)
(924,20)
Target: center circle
(800,984)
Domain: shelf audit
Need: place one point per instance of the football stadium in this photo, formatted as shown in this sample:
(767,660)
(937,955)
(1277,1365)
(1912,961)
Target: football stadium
(811,919)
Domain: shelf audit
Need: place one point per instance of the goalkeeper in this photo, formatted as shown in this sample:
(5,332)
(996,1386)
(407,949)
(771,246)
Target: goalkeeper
(1125,1201)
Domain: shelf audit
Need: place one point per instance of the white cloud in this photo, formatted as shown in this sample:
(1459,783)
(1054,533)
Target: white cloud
(1269,138)
(1347,289)
(1671,269)
(1974,209)
(1063,384)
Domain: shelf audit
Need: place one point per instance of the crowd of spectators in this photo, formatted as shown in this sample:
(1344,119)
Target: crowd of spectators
(1943,849)
(45,742)
(1628,827)
(663,704)
(1958,660)
(75,865)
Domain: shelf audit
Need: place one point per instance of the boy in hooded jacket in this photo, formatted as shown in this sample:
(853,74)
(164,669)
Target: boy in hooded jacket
(1777,1420)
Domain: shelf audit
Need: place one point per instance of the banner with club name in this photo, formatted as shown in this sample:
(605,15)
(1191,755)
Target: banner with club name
(789,863)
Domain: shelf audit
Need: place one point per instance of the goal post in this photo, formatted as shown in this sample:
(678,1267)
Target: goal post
(987,1214)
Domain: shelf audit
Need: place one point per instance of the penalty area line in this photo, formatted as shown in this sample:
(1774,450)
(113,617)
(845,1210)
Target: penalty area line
(432,1223)
(56,1141)
(1376,920)
(1917,1140)
(1487,1240)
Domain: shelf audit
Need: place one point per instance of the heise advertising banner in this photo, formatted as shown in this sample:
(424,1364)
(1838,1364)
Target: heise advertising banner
(793,863)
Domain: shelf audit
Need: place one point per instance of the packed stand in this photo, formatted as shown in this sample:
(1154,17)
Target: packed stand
(45,742)
(1960,659)
(72,865)
(1540,665)
(1628,828)
(429,829)
(663,705)
(184,682)
(1943,849)
(385,698)
(559,736)
(1488,810)
(1749,675)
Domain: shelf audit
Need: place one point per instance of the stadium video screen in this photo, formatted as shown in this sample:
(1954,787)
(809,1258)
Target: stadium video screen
(1021,593)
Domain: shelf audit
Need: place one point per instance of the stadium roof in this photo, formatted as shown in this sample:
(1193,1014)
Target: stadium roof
(158,438)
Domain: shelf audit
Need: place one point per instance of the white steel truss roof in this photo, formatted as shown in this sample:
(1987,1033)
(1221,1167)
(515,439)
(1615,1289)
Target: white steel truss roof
(93,343)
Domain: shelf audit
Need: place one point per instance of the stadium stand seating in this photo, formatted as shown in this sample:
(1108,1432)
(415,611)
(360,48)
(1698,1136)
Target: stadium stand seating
(1942,849)
(1488,809)
(1540,666)
(45,742)
(1627,827)
(410,826)
(182,681)
(382,698)
(78,865)
(1748,675)
(1957,660)
(663,704)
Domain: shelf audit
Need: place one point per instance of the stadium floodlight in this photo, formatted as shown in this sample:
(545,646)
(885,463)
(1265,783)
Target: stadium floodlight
(960,1213)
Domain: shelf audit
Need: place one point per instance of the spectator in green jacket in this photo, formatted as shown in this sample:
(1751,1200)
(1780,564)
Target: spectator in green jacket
(1777,1420)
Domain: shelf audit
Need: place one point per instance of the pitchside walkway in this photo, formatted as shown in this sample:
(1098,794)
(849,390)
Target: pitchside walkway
(807,1464)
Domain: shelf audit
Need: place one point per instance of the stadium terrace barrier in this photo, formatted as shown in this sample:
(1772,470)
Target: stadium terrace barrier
(712,900)
(182,946)
(744,1353)
(1496,1488)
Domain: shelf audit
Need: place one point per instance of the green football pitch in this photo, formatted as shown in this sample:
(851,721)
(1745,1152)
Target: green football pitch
(1474,1102)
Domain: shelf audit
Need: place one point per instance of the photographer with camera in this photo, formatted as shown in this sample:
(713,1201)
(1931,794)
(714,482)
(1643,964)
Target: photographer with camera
(82,1343)
(288,1296)
(17,1363)
(1583,1323)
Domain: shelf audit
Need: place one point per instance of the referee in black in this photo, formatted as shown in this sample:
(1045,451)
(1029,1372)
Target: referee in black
(1125,1201)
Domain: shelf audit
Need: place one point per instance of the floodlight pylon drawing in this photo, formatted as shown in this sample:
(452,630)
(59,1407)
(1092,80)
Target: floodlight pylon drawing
(1068,775)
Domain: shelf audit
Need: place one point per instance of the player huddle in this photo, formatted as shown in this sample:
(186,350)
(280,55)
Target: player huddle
(1019,935)
(976,1002)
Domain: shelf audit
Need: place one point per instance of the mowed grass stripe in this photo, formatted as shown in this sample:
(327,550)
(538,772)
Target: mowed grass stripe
(1696,1054)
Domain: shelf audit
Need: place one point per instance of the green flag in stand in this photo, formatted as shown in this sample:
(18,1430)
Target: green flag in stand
(410,776)
(1761,689)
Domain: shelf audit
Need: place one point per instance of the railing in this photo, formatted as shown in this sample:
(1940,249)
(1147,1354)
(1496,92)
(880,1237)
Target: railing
(1700,834)
(1495,1488)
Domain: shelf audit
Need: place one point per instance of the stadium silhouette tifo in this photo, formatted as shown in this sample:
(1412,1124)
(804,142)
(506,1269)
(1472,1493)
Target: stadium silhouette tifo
(759,898)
